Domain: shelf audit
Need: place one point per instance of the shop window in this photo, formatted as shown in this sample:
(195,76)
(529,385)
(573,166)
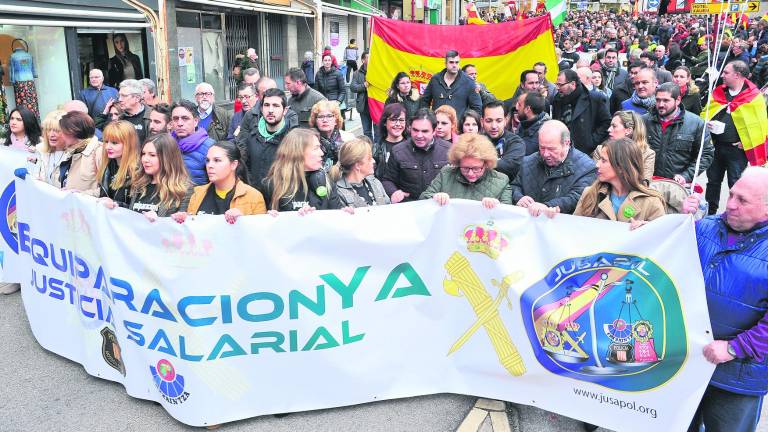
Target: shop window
(211,22)
(187,19)
(48,53)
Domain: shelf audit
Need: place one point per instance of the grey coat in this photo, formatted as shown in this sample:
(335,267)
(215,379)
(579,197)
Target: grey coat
(350,197)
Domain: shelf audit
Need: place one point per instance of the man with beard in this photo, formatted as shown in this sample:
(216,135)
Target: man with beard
(303,97)
(259,145)
(585,112)
(642,99)
(613,75)
(159,118)
(674,135)
(215,120)
(530,113)
(509,147)
(570,56)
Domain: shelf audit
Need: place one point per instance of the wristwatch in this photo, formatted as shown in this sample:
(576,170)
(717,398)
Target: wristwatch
(730,350)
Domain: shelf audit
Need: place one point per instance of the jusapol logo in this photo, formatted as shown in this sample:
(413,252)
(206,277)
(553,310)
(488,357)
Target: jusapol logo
(168,382)
(8,214)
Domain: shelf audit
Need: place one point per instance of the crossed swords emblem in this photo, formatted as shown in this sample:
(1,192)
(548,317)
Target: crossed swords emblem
(464,281)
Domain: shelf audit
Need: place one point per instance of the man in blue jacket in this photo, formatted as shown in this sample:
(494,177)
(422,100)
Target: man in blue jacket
(733,249)
(97,95)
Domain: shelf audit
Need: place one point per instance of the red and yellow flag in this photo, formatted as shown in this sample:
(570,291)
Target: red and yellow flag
(748,113)
(500,52)
(472,16)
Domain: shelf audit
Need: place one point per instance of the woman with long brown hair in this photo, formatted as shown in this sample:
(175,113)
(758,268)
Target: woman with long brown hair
(619,192)
(163,186)
(120,162)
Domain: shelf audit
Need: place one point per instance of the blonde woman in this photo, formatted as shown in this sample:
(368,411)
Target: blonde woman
(629,124)
(84,152)
(619,192)
(325,117)
(296,180)
(120,162)
(162,187)
(447,123)
(51,152)
(354,178)
(470,174)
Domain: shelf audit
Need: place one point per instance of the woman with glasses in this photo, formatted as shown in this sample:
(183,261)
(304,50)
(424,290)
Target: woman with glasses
(326,119)
(470,175)
(401,91)
(629,124)
(392,131)
(354,178)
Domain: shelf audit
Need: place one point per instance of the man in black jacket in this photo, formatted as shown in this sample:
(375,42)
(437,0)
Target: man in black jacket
(451,87)
(530,112)
(415,162)
(585,112)
(509,146)
(623,90)
(553,179)
(675,136)
(259,144)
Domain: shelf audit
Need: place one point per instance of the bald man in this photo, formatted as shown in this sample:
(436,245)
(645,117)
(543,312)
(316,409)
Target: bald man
(215,120)
(733,251)
(97,95)
(553,179)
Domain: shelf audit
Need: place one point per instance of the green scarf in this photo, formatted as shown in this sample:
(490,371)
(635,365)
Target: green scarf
(263,128)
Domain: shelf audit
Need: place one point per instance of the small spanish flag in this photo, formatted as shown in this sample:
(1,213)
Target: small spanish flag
(748,113)
(500,52)
(472,16)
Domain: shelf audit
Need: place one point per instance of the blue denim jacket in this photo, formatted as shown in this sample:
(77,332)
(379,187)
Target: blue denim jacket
(22,67)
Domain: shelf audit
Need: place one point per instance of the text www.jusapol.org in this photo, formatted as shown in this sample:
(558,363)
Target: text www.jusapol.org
(601,398)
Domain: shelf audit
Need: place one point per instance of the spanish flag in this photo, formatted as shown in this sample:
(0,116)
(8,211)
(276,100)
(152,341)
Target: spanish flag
(500,52)
(748,113)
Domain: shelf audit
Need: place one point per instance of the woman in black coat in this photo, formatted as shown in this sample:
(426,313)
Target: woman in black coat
(330,81)
(125,64)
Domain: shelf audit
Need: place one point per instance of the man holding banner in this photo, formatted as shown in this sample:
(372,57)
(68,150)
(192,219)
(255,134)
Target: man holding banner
(733,248)
(451,87)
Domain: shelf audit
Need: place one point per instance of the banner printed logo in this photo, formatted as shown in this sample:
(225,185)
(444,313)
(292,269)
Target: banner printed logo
(110,350)
(464,281)
(168,382)
(611,319)
(8,225)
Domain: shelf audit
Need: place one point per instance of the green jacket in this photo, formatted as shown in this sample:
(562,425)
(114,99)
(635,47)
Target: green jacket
(492,184)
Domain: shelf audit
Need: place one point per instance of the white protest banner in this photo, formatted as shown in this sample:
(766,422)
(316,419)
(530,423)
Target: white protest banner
(222,322)
(10,159)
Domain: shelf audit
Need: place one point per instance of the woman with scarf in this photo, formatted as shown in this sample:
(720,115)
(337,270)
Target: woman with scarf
(228,192)
(470,174)
(691,99)
(78,170)
(296,180)
(120,162)
(326,119)
(124,64)
(401,91)
(193,141)
(51,150)
(392,131)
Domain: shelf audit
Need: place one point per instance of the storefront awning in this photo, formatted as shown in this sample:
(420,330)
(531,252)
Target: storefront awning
(344,11)
(256,7)
(70,13)
(71,23)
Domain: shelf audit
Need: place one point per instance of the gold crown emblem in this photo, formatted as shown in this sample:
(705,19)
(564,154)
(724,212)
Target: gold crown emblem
(485,239)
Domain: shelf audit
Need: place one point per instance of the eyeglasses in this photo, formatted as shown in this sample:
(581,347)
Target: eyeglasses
(473,170)
(206,94)
(558,85)
(244,97)
(326,117)
(396,120)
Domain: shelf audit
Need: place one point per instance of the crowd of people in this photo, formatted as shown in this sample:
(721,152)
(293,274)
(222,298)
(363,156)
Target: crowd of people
(608,140)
